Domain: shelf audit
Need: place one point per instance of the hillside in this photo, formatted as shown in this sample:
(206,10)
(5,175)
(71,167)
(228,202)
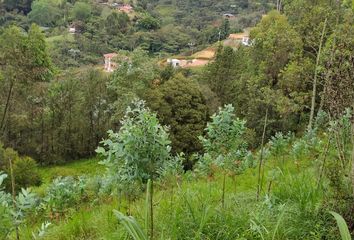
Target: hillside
(176,119)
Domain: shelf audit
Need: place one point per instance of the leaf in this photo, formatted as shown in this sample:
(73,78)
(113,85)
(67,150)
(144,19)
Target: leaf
(132,227)
(342,225)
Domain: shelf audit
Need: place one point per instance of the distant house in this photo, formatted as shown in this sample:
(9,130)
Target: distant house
(229,16)
(174,62)
(72,30)
(109,64)
(127,8)
(243,38)
(246,41)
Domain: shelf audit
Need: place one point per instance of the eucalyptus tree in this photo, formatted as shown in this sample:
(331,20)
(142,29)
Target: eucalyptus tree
(224,143)
(13,210)
(138,150)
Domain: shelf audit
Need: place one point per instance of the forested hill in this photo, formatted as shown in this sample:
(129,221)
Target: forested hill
(160,27)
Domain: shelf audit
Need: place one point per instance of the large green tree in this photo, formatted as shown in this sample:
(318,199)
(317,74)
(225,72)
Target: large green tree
(45,13)
(181,106)
(23,61)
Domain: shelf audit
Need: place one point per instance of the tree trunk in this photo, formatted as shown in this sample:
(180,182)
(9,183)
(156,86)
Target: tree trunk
(314,88)
(2,124)
(260,181)
(352,163)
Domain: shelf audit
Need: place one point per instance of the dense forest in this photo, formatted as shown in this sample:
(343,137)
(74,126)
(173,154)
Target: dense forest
(263,132)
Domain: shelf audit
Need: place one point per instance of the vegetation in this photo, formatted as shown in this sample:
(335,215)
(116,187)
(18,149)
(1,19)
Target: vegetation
(257,144)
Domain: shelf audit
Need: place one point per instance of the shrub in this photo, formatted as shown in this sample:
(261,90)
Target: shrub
(26,173)
(24,168)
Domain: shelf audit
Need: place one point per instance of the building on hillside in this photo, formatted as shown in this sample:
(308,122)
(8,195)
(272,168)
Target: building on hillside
(127,8)
(243,38)
(174,62)
(229,16)
(72,30)
(109,64)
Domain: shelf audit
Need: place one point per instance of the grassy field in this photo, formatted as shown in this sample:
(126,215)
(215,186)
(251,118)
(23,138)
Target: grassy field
(191,208)
(77,168)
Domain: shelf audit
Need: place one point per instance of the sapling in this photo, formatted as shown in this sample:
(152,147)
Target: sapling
(13,209)
(260,166)
(224,144)
(278,146)
(138,150)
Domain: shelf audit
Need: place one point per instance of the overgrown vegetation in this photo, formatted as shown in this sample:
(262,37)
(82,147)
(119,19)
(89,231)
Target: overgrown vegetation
(274,161)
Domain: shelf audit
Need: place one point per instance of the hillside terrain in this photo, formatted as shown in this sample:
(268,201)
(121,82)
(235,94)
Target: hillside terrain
(176,119)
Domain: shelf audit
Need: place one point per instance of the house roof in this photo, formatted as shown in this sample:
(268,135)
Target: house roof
(238,36)
(125,8)
(110,55)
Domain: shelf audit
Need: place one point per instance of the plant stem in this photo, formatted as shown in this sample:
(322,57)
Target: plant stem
(269,187)
(151,210)
(223,191)
(147,206)
(314,88)
(259,187)
(324,161)
(13,195)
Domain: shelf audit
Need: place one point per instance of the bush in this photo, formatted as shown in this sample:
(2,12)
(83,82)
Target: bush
(26,173)
(24,168)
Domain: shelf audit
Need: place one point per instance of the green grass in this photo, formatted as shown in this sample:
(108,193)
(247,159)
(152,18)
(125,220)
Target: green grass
(58,38)
(76,168)
(193,209)
(88,167)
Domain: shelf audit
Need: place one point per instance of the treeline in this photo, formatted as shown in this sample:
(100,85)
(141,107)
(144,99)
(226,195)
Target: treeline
(300,62)
(155,26)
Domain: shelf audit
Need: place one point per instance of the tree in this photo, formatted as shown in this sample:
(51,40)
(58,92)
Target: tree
(148,22)
(44,13)
(181,106)
(135,74)
(275,44)
(81,11)
(22,5)
(224,143)
(221,74)
(23,61)
(338,65)
(117,23)
(138,150)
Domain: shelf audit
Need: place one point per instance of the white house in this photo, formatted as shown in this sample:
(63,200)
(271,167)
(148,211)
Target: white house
(109,64)
(174,62)
(72,30)
(246,41)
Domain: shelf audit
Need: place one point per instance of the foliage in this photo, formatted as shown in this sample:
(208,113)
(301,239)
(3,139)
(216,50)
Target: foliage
(338,63)
(342,225)
(45,13)
(181,106)
(131,226)
(148,23)
(63,193)
(140,147)
(25,169)
(81,11)
(224,140)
